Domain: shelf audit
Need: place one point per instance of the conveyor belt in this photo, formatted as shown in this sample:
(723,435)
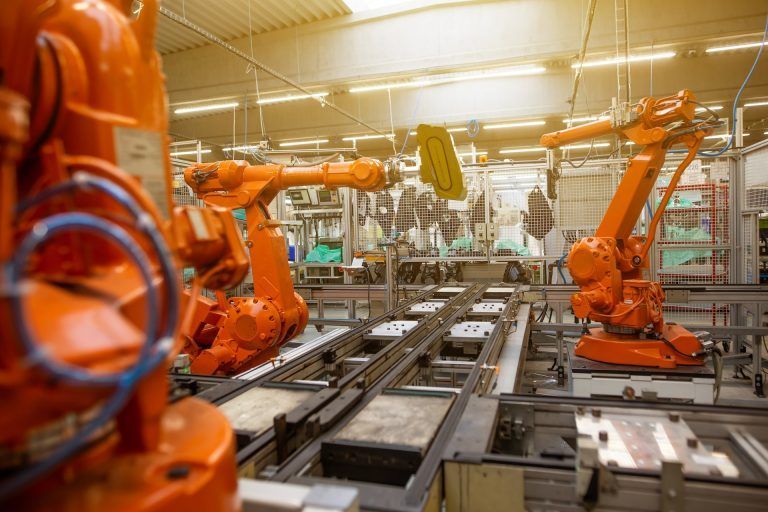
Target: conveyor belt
(352,446)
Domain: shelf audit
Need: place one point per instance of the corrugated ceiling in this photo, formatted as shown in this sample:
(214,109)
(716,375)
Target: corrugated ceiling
(228,19)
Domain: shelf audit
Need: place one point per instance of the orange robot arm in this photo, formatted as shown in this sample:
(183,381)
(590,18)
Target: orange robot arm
(256,326)
(610,267)
(91,303)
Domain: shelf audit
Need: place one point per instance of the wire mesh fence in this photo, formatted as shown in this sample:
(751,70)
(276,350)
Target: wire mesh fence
(693,240)
(507,213)
(184,196)
(756,179)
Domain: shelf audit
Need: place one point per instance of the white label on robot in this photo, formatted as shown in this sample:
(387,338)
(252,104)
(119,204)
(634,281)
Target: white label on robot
(140,154)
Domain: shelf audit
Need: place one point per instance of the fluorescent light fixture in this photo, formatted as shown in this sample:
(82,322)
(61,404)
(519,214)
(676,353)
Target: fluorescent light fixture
(470,154)
(523,71)
(437,80)
(384,87)
(521,150)
(586,119)
(206,108)
(314,142)
(757,104)
(367,137)
(520,124)
(632,58)
(725,136)
(290,97)
(742,46)
(765,133)
(586,146)
(241,149)
(185,153)
(710,107)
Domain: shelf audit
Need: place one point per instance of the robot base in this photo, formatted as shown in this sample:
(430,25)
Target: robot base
(593,379)
(628,349)
(193,468)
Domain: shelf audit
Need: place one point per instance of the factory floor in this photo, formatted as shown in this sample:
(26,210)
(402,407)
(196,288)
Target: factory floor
(540,379)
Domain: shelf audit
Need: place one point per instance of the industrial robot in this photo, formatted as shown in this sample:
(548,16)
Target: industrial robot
(234,334)
(611,267)
(92,306)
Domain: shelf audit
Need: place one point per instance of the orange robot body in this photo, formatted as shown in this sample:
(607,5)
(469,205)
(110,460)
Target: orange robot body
(611,267)
(255,327)
(92,304)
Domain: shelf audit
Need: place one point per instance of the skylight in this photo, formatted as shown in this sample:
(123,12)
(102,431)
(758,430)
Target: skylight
(370,5)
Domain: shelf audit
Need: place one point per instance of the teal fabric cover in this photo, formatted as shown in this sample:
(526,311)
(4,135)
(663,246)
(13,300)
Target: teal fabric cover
(324,254)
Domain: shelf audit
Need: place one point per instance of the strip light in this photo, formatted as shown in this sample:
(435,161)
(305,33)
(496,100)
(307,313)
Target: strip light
(303,143)
(470,154)
(206,108)
(521,150)
(500,126)
(632,58)
(290,97)
(586,119)
(367,137)
(242,149)
(586,146)
(709,107)
(742,46)
(427,81)
(185,153)
(725,136)
(756,104)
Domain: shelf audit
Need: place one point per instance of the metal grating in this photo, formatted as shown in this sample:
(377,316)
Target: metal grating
(750,250)
(693,240)
(228,19)
(510,200)
(756,179)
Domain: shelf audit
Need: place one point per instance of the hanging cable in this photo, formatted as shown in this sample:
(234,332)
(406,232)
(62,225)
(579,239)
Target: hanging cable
(413,116)
(582,54)
(738,97)
(156,346)
(391,122)
(182,20)
(255,72)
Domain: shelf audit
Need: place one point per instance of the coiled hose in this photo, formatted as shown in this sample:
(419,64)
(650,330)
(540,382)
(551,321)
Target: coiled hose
(155,348)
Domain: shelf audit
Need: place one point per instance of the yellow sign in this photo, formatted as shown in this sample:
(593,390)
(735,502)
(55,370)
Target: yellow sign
(439,164)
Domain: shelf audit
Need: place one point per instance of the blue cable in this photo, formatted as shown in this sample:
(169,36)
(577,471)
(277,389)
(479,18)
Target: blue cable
(42,232)
(736,100)
(152,353)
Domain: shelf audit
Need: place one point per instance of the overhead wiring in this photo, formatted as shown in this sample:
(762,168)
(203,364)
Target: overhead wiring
(736,100)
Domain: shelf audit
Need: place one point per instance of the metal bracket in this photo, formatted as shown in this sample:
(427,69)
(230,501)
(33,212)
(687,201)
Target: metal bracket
(515,429)
(677,296)
(532,296)
(672,486)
